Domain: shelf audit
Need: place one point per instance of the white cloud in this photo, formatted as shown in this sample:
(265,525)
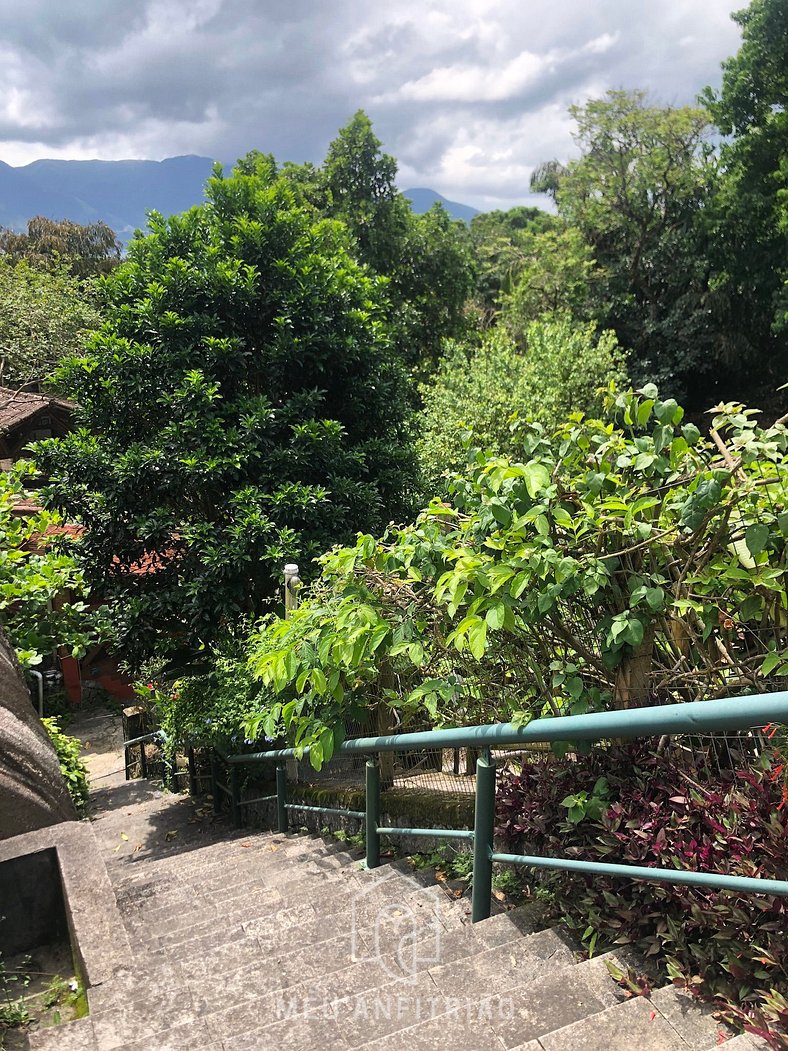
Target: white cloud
(469,95)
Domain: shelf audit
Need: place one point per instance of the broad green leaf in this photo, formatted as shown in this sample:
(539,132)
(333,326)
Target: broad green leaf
(756,538)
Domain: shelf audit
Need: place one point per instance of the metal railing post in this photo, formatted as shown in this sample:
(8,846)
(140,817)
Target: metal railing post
(215,791)
(143,761)
(373,813)
(235,795)
(281,797)
(483,831)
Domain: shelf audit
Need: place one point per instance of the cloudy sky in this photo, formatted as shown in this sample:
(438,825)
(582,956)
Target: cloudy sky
(469,95)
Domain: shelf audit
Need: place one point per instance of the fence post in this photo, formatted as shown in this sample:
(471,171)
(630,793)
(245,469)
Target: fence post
(217,795)
(143,760)
(292,580)
(281,797)
(483,831)
(373,813)
(235,795)
(194,787)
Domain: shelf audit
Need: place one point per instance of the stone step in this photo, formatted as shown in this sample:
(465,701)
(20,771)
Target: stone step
(349,1011)
(743,1042)
(245,941)
(637,1023)
(307,962)
(222,880)
(324,970)
(211,860)
(528,1010)
(348,900)
(463,992)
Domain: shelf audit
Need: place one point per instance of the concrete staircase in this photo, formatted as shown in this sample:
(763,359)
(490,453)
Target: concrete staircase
(255,941)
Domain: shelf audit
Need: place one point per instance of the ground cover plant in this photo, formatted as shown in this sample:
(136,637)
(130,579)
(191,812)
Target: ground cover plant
(683,807)
(72,766)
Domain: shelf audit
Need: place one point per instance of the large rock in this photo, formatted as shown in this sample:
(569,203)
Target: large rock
(33,793)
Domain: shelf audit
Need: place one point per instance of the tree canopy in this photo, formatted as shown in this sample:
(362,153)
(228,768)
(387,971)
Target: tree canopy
(477,395)
(239,407)
(426,259)
(45,316)
(750,228)
(86,249)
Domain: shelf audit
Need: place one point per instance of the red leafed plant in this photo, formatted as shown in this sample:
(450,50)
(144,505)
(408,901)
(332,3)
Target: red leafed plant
(678,809)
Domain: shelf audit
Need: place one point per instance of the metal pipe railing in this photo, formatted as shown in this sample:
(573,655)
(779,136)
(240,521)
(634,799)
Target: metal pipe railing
(696,717)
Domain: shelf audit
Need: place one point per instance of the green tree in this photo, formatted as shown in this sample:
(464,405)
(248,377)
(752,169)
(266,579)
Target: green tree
(557,367)
(239,407)
(87,249)
(500,242)
(749,228)
(44,317)
(556,275)
(427,259)
(637,195)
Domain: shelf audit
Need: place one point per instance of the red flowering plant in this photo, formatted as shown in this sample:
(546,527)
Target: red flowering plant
(683,809)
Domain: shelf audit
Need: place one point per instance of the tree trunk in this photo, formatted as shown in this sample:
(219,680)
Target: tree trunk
(633,676)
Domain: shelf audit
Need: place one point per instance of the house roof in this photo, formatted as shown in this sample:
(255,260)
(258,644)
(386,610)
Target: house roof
(17,406)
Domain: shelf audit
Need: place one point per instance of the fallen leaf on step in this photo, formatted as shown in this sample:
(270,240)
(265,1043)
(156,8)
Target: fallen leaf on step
(273,847)
(652,1015)
(124,837)
(170,835)
(499,895)
(138,847)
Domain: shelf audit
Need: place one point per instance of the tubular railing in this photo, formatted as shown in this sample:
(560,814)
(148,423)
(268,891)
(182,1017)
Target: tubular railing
(696,717)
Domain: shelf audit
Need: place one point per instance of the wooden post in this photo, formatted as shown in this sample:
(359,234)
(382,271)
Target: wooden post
(135,724)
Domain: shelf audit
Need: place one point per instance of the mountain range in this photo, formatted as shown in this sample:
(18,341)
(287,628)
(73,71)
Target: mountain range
(121,192)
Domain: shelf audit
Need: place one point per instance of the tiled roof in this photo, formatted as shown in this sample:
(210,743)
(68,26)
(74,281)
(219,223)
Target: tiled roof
(18,406)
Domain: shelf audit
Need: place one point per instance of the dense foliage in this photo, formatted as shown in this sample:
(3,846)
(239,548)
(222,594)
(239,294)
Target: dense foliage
(683,247)
(43,596)
(239,407)
(751,229)
(559,366)
(85,250)
(426,260)
(674,809)
(44,317)
(72,767)
(619,561)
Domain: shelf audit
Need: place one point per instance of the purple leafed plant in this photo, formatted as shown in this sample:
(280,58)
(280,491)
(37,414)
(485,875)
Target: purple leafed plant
(678,809)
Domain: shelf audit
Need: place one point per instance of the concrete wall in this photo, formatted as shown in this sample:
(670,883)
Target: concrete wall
(33,793)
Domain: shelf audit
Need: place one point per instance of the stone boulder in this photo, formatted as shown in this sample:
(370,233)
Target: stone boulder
(33,793)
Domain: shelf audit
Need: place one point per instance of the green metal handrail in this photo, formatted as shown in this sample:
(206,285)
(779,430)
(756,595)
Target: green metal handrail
(695,717)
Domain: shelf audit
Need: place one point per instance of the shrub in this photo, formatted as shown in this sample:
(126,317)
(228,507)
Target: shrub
(560,369)
(206,708)
(71,765)
(631,805)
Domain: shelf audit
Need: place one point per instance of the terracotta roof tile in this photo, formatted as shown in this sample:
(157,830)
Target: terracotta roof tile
(16,406)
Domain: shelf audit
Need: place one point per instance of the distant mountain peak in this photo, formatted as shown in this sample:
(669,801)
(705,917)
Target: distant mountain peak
(422,199)
(121,193)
